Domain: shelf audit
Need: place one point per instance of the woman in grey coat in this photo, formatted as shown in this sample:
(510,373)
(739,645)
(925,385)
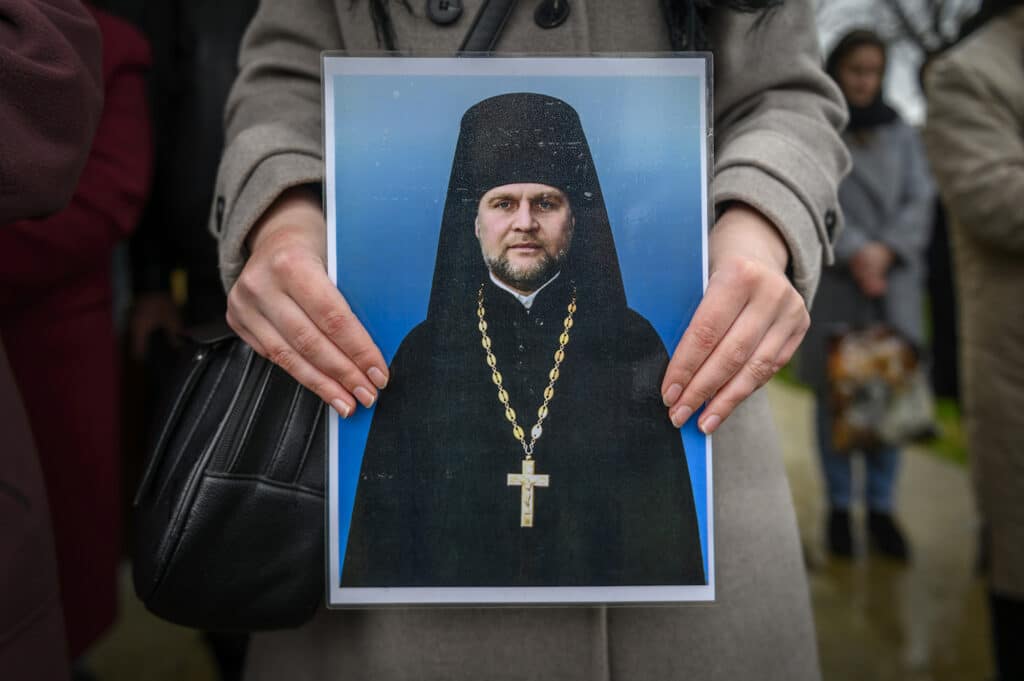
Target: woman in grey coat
(778,160)
(887,201)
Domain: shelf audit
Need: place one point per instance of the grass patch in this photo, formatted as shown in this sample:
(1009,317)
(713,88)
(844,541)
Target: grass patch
(952,441)
(787,375)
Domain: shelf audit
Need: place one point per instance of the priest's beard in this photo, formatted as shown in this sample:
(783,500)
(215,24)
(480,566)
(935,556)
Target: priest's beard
(526,278)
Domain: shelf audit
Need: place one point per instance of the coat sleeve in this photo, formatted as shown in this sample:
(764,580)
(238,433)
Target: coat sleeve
(777,122)
(50,98)
(266,152)
(977,154)
(106,205)
(910,229)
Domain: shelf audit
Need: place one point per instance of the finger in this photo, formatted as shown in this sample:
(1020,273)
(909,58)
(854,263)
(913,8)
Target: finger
(330,312)
(774,351)
(758,370)
(789,348)
(731,355)
(724,300)
(302,335)
(265,340)
(874,286)
(246,335)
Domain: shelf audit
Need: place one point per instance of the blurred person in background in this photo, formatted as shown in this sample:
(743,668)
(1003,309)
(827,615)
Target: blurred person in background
(976,145)
(56,322)
(878,276)
(50,99)
(195,61)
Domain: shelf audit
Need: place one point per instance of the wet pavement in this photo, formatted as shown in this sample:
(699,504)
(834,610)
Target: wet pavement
(877,620)
(143,648)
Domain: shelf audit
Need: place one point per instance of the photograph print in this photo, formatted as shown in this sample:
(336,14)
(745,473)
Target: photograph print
(525,239)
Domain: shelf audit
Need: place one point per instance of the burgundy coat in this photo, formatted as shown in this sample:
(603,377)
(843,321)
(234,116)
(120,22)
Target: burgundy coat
(56,322)
(50,94)
(50,99)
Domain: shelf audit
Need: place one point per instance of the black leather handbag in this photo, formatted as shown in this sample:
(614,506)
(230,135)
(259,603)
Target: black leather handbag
(230,512)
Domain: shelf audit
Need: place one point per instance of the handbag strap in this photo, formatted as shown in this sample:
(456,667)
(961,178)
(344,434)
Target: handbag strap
(487,26)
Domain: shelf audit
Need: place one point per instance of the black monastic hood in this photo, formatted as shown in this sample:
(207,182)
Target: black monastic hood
(513,138)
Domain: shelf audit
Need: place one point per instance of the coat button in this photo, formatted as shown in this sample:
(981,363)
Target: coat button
(830,224)
(551,13)
(444,12)
(539,322)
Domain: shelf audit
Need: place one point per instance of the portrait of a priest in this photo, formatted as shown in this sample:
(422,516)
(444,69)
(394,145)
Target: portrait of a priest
(522,440)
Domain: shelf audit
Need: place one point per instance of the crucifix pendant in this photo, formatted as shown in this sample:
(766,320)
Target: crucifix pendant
(527,480)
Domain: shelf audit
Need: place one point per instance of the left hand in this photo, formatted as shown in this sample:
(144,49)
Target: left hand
(746,328)
(870,268)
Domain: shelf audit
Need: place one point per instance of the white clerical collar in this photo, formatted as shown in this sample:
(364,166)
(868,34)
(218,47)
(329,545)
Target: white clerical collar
(527,301)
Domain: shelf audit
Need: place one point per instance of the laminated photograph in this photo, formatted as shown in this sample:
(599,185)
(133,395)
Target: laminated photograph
(526,241)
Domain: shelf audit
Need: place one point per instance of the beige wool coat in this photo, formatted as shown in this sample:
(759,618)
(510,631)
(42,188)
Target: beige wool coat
(777,148)
(976,145)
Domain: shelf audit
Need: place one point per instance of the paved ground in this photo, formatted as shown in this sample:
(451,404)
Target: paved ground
(877,621)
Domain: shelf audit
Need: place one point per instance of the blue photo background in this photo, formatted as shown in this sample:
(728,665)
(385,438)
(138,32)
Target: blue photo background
(394,143)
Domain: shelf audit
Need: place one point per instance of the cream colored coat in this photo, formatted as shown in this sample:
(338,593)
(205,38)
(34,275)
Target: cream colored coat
(777,148)
(976,144)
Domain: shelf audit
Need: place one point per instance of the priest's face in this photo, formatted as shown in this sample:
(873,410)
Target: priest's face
(525,231)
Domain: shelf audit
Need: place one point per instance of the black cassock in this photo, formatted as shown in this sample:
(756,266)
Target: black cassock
(433,506)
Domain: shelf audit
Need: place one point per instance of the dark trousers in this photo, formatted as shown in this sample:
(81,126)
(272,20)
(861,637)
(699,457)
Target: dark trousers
(1008,636)
(882,468)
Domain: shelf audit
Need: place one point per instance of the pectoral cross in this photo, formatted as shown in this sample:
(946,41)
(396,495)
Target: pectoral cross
(527,481)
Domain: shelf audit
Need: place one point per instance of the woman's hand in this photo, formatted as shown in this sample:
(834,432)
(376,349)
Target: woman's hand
(285,306)
(870,268)
(746,328)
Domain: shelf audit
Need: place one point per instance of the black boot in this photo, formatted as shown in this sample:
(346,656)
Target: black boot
(886,537)
(840,540)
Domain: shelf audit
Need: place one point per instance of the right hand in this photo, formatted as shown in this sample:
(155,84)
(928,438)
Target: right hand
(870,268)
(286,307)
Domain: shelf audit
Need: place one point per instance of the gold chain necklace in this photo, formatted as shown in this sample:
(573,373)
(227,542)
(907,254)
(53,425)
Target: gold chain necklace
(527,479)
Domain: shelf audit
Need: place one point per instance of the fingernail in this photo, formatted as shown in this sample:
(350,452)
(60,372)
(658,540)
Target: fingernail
(709,423)
(672,394)
(378,377)
(364,396)
(681,415)
(343,409)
